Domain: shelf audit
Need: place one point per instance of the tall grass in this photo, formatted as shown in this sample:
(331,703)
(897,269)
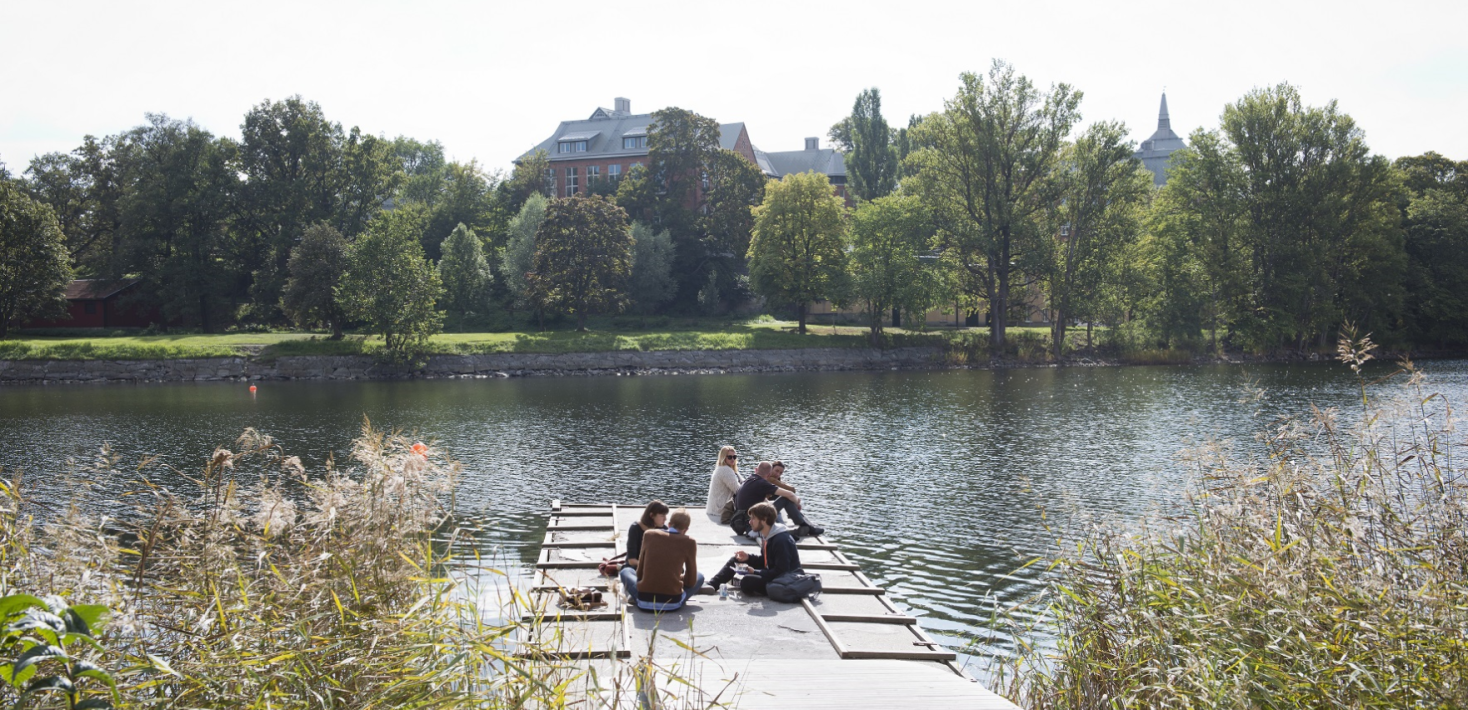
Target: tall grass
(264,585)
(1329,571)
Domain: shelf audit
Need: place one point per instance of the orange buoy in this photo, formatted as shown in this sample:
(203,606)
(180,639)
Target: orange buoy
(421,449)
(252,389)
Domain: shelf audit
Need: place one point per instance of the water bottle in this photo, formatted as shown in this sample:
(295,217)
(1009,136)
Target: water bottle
(723,591)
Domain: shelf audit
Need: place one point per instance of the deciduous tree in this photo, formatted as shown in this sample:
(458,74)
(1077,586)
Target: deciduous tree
(1102,193)
(871,157)
(1436,222)
(798,253)
(34,268)
(984,169)
(889,237)
(391,286)
(583,257)
(316,267)
(651,284)
(518,259)
(465,272)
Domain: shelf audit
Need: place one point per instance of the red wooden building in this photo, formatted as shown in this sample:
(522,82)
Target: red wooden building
(101,303)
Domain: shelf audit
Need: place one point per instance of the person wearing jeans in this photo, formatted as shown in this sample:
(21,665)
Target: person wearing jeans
(667,570)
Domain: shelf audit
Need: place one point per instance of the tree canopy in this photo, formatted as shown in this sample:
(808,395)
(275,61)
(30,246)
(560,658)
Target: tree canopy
(583,257)
(34,267)
(391,287)
(798,253)
(871,157)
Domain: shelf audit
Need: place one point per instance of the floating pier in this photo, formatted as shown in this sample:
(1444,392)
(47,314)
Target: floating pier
(848,648)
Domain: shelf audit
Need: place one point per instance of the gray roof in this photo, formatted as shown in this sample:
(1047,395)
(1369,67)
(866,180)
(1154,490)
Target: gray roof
(1156,152)
(604,131)
(826,161)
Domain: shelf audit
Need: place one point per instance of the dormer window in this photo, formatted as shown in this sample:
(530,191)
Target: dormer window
(634,142)
(575,142)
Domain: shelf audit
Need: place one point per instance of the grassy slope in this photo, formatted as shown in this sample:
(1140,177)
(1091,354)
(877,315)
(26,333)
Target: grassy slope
(614,335)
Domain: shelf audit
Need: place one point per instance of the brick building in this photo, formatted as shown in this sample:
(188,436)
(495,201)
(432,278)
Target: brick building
(612,141)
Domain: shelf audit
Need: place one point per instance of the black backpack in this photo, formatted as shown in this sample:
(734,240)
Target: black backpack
(793,586)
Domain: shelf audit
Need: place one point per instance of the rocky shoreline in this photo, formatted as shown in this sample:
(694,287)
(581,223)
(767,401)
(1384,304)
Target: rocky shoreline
(361,367)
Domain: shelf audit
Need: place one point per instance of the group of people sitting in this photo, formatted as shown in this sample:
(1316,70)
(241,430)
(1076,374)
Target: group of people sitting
(661,571)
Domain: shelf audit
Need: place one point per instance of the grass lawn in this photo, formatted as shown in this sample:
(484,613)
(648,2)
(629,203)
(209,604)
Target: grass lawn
(626,333)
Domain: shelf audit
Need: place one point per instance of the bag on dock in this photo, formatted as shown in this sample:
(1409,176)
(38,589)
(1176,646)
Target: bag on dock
(793,586)
(740,522)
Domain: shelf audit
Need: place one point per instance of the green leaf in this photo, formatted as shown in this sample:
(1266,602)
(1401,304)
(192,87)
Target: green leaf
(16,603)
(84,669)
(51,682)
(37,654)
(93,704)
(82,618)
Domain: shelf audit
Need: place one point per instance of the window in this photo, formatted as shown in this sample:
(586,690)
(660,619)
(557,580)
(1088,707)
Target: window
(635,166)
(614,171)
(592,172)
(1064,230)
(550,181)
(634,142)
(572,182)
(90,307)
(704,177)
(571,147)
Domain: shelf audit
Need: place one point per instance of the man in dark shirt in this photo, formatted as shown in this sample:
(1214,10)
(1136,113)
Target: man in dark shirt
(758,489)
(778,553)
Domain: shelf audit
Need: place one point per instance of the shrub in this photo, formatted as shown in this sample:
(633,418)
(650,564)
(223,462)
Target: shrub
(1330,571)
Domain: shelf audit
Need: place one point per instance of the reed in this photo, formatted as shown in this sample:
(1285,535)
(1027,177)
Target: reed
(263,585)
(1331,570)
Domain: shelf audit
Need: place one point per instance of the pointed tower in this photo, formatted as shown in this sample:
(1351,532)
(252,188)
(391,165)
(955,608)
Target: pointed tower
(1155,152)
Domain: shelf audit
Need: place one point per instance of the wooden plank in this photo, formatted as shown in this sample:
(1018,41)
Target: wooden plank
(576,655)
(551,544)
(568,528)
(875,591)
(566,564)
(834,566)
(562,615)
(817,546)
(825,629)
(601,512)
(914,655)
(555,504)
(871,619)
(603,586)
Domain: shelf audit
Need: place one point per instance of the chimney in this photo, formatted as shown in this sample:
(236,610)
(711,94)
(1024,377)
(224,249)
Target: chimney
(623,106)
(813,144)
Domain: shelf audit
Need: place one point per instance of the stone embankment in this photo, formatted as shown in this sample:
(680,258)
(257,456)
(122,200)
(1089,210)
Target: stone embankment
(19,372)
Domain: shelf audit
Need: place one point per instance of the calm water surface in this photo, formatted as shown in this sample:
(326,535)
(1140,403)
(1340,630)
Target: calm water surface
(933,481)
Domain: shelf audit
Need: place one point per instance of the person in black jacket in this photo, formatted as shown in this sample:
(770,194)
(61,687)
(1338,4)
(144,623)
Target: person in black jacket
(778,553)
(654,517)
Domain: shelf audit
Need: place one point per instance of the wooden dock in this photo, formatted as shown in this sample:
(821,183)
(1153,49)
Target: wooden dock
(849,648)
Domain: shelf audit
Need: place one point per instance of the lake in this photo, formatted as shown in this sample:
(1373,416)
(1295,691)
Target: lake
(934,482)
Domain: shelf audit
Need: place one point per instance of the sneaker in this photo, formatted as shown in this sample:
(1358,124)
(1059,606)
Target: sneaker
(812,530)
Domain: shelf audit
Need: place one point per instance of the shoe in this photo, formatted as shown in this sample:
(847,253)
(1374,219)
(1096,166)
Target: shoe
(812,531)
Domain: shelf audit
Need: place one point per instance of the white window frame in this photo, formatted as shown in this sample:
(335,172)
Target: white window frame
(573,182)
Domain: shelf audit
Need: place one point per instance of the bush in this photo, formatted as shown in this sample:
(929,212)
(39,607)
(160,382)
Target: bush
(1331,571)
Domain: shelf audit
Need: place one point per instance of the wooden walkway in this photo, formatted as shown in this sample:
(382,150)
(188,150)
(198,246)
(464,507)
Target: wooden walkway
(848,648)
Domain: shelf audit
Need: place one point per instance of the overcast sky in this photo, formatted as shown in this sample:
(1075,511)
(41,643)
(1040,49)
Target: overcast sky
(491,79)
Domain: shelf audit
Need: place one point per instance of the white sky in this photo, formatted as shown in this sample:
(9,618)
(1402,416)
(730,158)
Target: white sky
(491,79)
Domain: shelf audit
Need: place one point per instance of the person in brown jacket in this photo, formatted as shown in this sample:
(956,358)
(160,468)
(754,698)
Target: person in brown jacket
(667,570)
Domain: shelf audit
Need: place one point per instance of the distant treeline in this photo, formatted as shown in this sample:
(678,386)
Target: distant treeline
(1273,230)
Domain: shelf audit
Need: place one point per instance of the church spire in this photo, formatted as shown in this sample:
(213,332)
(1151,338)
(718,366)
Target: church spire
(1163,122)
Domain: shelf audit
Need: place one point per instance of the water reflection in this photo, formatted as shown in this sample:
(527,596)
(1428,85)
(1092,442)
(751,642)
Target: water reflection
(933,481)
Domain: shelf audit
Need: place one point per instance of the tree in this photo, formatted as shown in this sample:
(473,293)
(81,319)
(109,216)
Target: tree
(531,176)
(984,169)
(174,218)
(1197,256)
(798,253)
(391,286)
(1102,192)
(583,257)
(889,237)
(1323,228)
(651,284)
(871,158)
(465,272)
(518,259)
(316,267)
(84,189)
(34,268)
(682,146)
(1436,224)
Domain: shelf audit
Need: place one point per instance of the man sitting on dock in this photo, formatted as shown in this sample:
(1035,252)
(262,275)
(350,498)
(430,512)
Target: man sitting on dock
(778,553)
(761,487)
(667,569)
